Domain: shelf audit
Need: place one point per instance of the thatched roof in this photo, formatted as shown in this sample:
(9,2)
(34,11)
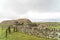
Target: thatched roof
(24,21)
(13,22)
(9,22)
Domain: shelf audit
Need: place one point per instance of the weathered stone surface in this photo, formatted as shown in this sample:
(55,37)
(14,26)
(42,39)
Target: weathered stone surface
(42,26)
(9,22)
(24,21)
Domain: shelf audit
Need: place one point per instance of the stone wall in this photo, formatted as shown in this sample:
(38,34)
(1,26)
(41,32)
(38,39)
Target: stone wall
(40,31)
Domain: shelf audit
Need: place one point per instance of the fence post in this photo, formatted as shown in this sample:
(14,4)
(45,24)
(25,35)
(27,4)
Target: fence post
(9,29)
(16,29)
(6,33)
(2,28)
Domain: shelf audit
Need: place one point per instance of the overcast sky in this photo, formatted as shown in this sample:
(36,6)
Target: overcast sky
(35,10)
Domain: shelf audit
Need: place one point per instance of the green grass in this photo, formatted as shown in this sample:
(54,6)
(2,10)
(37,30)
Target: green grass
(1,31)
(2,34)
(22,36)
(54,26)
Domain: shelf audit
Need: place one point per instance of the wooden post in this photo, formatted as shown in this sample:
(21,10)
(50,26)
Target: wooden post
(2,28)
(16,29)
(6,33)
(9,29)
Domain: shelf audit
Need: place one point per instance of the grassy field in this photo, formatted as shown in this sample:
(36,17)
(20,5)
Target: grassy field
(49,23)
(2,34)
(54,27)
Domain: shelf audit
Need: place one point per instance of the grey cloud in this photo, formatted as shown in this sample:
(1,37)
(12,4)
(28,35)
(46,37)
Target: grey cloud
(13,8)
(22,6)
(46,20)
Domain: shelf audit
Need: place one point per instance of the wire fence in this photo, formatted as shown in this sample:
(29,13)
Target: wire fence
(4,32)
